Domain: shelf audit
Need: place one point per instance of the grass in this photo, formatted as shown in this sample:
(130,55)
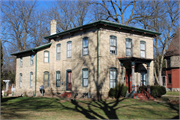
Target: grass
(53,108)
(172,93)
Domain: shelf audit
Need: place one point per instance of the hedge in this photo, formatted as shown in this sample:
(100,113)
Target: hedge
(119,91)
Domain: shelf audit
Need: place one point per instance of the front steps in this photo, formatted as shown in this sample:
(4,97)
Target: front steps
(66,94)
(143,96)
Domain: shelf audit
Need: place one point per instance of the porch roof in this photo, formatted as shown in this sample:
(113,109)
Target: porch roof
(134,59)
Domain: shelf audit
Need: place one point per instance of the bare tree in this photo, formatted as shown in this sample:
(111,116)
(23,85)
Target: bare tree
(69,14)
(117,10)
(159,16)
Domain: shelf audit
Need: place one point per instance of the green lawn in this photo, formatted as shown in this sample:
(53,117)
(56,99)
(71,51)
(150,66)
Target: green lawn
(172,93)
(53,108)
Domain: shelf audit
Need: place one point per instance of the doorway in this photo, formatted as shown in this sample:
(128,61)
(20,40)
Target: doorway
(69,80)
(129,79)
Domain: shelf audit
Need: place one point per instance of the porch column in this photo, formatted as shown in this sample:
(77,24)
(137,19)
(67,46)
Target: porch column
(122,79)
(7,84)
(148,77)
(137,84)
(133,81)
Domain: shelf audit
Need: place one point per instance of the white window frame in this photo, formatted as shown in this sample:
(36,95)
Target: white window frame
(21,62)
(128,48)
(69,49)
(20,80)
(143,50)
(31,79)
(113,46)
(31,59)
(112,81)
(58,53)
(85,79)
(58,79)
(85,47)
(46,56)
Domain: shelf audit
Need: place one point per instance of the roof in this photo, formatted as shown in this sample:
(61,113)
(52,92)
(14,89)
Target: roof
(32,49)
(174,47)
(106,23)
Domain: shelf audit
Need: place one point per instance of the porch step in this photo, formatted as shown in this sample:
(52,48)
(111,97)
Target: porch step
(143,96)
(66,94)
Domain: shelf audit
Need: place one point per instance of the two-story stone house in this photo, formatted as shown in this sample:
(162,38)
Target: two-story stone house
(172,57)
(88,59)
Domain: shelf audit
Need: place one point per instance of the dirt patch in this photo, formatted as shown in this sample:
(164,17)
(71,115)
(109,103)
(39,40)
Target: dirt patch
(174,102)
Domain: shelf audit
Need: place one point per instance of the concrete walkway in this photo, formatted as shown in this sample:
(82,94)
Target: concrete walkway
(170,96)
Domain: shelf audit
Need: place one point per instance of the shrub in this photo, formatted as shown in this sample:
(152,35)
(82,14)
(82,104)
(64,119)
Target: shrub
(142,87)
(157,91)
(118,91)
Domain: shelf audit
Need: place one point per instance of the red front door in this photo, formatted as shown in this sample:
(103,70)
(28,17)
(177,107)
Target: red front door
(129,80)
(69,80)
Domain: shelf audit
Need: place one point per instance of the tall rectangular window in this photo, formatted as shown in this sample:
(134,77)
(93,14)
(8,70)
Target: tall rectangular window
(31,60)
(46,56)
(85,46)
(21,62)
(58,77)
(143,49)
(128,47)
(69,49)
(85,77)
(20,80)
(46,79)
(168,62)
(169,78)
(113,45)
(143,78)
(31,79)
(112,77)
(58,51)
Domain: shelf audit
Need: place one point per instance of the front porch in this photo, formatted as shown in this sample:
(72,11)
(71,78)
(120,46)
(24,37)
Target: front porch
(137,73)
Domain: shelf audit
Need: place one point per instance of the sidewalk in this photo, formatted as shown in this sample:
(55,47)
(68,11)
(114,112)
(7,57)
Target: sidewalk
(170,96)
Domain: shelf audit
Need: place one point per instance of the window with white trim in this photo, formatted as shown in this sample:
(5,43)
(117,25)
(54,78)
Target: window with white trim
(143,49)
(31,60)
(58,51)
(20,80)
(21,62)
(112,77)
(31,79)
(46,79)
(69,49)
(85,46)
(58,77)
(46,56)
(113,45)
(85,77)
(128,47)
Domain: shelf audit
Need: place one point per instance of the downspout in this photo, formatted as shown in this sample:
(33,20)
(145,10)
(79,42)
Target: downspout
(97,54)
(35,71)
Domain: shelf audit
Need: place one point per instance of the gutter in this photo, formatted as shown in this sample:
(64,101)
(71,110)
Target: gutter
(97,54)
(35,71)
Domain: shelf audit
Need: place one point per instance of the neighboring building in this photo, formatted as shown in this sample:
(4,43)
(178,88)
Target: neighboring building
(172,57)
(87,59)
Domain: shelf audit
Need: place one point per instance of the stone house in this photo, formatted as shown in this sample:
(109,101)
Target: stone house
(88,59)
(172,57)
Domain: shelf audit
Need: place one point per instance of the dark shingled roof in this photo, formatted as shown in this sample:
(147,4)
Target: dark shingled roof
(174,47)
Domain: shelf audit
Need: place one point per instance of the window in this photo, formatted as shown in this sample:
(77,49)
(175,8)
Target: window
(85,77)
(46,79)
(58,51)
(20,80)
(112,77)
(31,60)
(169,78)
(69,49)
(143,78)
(46,56)
(58,77)
(143,49)
(113,45)
(128,47)
(85,46)
(31,79)
(21,62)
(168,63)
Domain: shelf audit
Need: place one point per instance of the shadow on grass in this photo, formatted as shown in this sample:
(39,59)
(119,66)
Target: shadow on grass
(7,98)
(103,109)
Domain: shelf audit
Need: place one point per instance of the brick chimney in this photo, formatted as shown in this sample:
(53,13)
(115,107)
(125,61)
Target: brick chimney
(53,27)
